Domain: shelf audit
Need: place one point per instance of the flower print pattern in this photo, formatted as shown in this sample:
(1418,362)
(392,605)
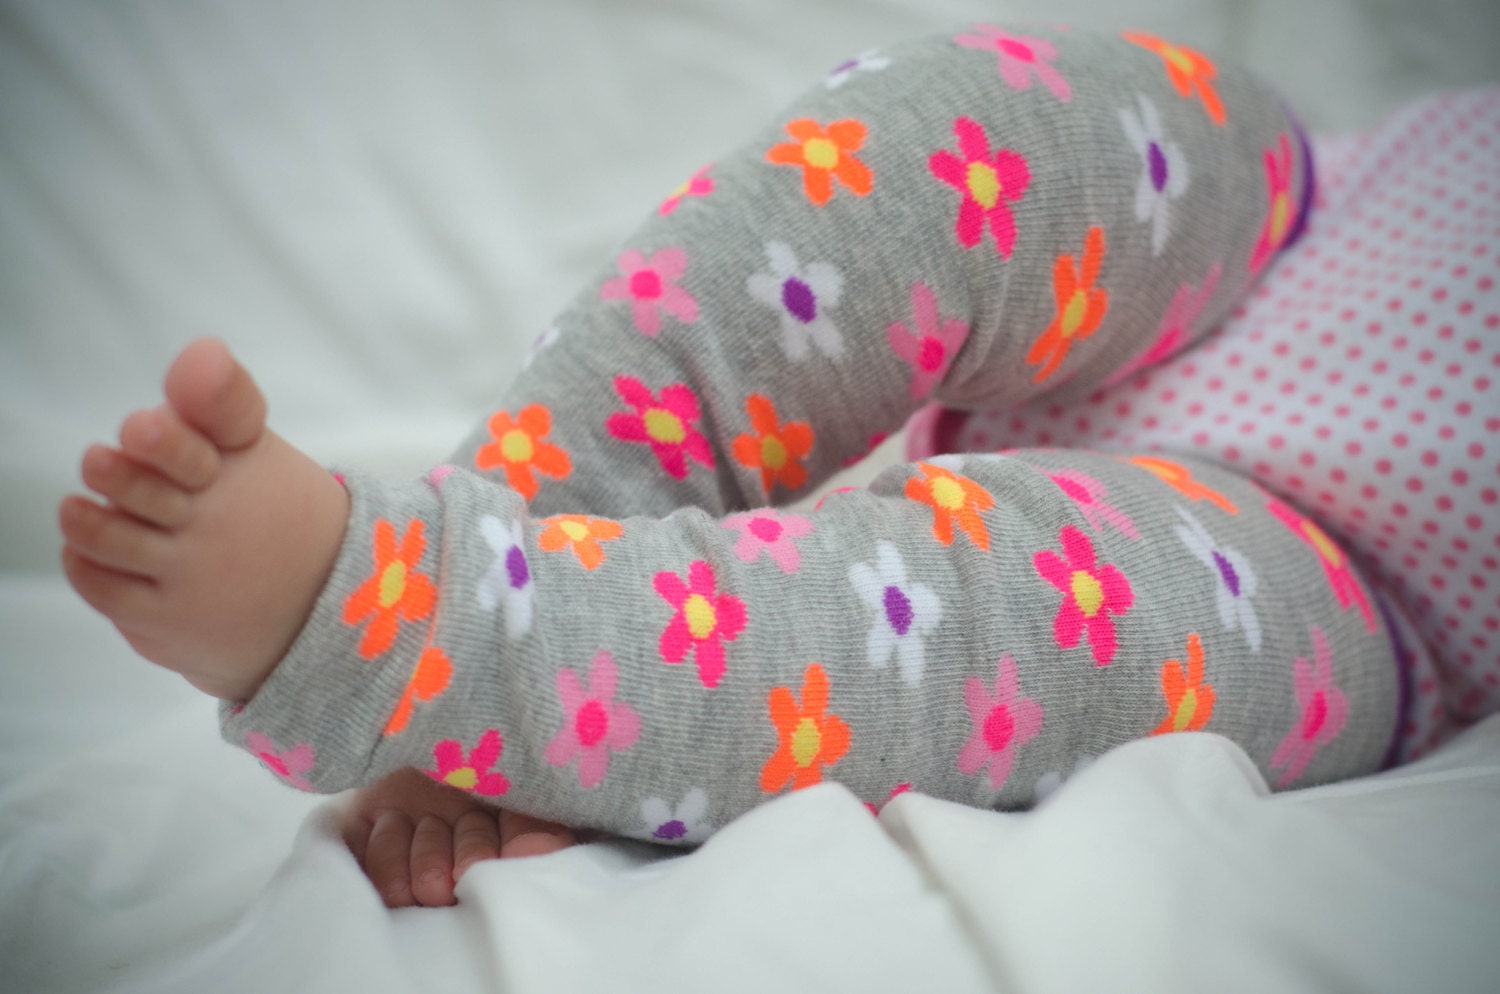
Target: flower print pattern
(1191,73)
(802,297)
(1280,211)
(288,764)
(580,533)
(1088,494)
(1003,721)
(932,342)
(1164,169)
(1093,592)
(508,580)
(703,621)
(808,737)
(473,772)
(1180,478)
(824,155)
(988,183)
(519,448)
(1322,709)
(394,592)
(700,184)
(685,824)
(869,60)
(429,678)
(1190,700)
(955,500)
(1337,567)
(652,288)
(1235,584)
(1081,305)
(769,531)
(594,723)
(667,423)
(776,448)
(540,344)
(1021,59)
(1176,327)
(905,612)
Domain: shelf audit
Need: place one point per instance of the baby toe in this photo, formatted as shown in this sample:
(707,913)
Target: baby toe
(134,488)
(432,863)
(110,538)
(158,438)
(388,859)
(212,392)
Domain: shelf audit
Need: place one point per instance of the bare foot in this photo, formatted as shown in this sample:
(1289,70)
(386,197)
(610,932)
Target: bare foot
(215,535)
(415,838)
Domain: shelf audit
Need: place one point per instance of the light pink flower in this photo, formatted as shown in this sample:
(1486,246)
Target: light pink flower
(767,530)
(651,286)
(1176,327)
(1323,709)
(289,765)
(594,723)
(930,345)
(1021,56)
(1088,494)
(1003,722)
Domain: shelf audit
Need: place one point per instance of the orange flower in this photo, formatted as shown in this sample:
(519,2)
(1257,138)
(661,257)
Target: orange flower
(1080,305)
(580,532)
(808,738)
(825,155)
(775,449)
(518,448)
(954,500)
(395,591)
(428,680)
(1190,701)
(1178,477)
(1188,70)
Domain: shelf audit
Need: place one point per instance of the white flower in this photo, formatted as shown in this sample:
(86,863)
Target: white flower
(1235,581)
(687,823)
(866,61)
(802,295)
(904,612)
(1164,169)
(508,579)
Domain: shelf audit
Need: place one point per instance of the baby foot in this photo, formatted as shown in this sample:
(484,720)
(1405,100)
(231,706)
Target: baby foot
(215,535)
(416,838)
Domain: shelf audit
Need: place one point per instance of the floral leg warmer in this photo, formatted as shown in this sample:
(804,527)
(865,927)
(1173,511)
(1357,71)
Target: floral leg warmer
(594,616)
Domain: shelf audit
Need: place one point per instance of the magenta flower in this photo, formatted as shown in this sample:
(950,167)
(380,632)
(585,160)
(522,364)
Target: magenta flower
(1323,709)
(1088,494)
(1280,210)
(1092,592)
(1003,722)
(1021,57)
(594,723)
(700,184)
(289,765)
(704,621)
(988,182)
(651,287)
(930,345)
(471,772)
(665,423)
(767,530)
(1176,327)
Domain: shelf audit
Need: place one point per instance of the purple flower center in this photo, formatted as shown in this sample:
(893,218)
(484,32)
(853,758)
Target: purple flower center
(1226,572)
(898,609)
(670,832)
(591,723)
(515,566)
(999,726)
(930,354)
(1157,163)
(799,300)
(1016,50)
(847,65)
(766,529)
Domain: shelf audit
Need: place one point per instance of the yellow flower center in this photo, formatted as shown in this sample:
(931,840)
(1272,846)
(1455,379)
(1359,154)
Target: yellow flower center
(1178,58)
(664,426)
(1186,708)
(772,452)
(1087,592)
(1281,213)
(807,741)
(464,778)
(392,583)
(576,531)
(1073,313)
(984,184)
(948,494)
(1323,544)
(700,616)
(516,446)
(820,153)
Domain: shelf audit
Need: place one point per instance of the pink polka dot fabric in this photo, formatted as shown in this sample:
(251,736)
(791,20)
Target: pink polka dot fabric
(1359,380)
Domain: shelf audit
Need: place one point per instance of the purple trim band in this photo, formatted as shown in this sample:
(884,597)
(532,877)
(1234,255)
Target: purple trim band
(1309,185)
(1404,690)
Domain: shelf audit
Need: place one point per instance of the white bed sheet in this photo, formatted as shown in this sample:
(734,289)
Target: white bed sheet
(379,205)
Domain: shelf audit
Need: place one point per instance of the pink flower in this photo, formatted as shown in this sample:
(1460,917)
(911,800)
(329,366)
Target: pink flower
(1092,591)
(288,765)
(700,184)
(704,621)
(1176,327)
(1003,722)
(1323,709)
(987,181)
(1279,208)
(1337,567)
(651,287)
(1088,494)
(593,722)
(471,772)
(933,343)
(1020,57)
(665,423)
(770,531)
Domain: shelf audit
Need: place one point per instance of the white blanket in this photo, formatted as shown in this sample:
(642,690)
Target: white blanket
(379,205)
